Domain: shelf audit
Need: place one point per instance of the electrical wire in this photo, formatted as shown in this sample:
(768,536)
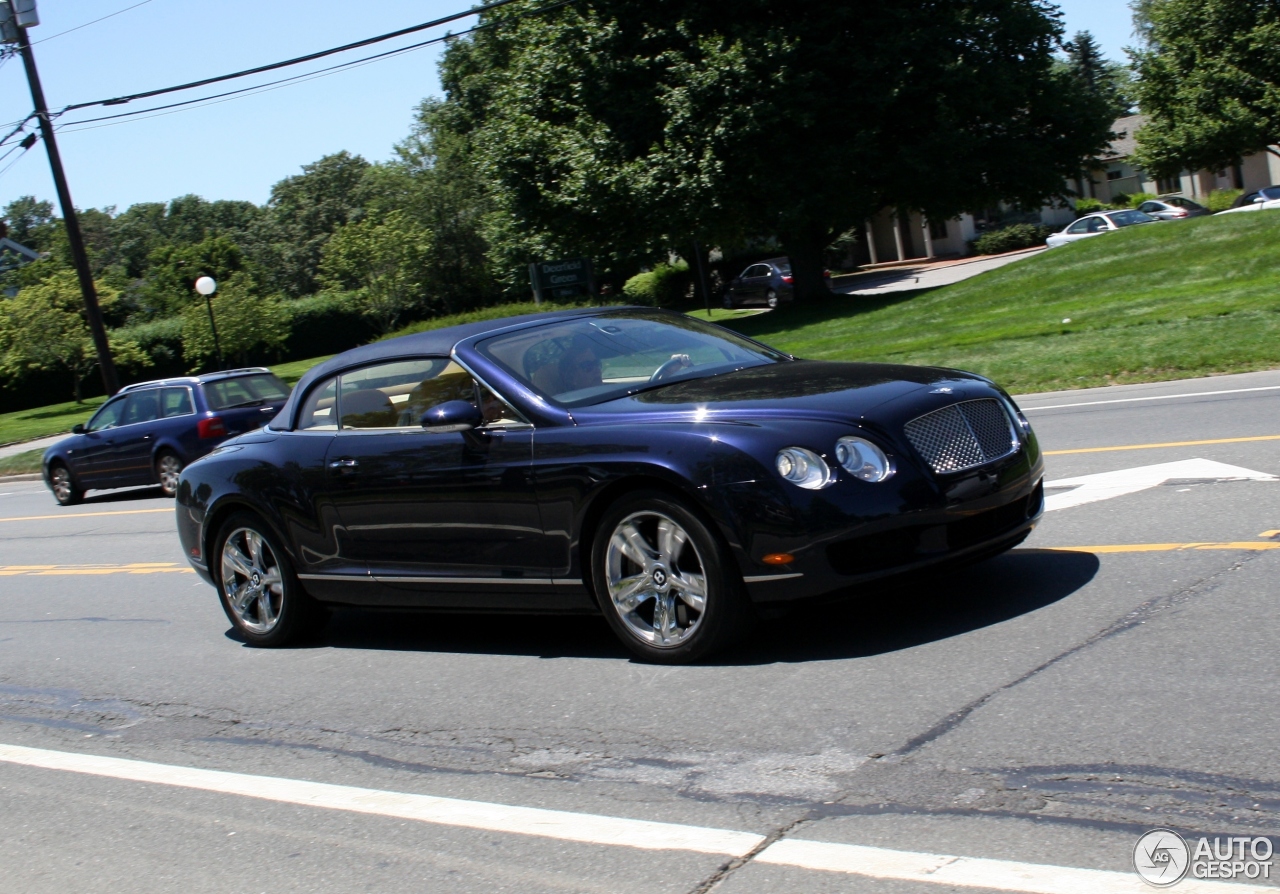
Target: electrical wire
(172,108)
(87,24)
(119,100)
(6,168)
(24,145)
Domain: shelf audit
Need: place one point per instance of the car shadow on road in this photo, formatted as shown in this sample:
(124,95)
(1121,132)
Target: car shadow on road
(127,495)
(886,617)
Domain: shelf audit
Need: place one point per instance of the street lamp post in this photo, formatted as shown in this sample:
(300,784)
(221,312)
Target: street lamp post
(206,286)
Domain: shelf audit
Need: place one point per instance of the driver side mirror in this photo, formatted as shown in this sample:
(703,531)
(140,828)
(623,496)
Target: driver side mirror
(78,428)
(452,415)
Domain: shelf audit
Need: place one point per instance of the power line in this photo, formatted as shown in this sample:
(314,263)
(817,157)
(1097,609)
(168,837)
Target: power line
(173,108)
(295,61)
(87,24)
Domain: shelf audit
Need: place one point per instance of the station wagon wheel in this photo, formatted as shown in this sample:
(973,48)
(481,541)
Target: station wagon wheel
(664,581)
(260,592)
(168,469)
(63,485)
(771,298)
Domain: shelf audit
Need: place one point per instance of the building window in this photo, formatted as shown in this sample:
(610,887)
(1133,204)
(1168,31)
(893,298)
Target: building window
(1169,184)
(1113,175)
(938,229)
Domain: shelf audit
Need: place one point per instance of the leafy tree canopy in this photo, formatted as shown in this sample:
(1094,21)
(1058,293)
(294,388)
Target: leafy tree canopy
(622,128)
(1208,82)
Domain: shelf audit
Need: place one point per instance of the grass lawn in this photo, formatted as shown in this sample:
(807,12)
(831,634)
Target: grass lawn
(1161,301)
(21,464)
(1155,302)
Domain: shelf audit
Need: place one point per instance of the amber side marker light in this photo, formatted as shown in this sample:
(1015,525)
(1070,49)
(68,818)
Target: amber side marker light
(778,559)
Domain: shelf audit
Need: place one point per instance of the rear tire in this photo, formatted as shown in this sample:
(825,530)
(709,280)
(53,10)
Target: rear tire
(64,486)
(168,469)
(666,583)
(771,298)
(258,588)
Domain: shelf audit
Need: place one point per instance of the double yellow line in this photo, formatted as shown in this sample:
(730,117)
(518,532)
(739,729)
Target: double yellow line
(92,570)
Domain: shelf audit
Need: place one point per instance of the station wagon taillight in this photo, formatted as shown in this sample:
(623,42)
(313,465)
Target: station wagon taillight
(211,427)
(787,279)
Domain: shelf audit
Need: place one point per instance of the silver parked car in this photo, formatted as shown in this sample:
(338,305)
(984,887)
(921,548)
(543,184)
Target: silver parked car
(1094,224)
(1173,208)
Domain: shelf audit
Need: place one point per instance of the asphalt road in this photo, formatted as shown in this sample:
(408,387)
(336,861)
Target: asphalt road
(1045,707)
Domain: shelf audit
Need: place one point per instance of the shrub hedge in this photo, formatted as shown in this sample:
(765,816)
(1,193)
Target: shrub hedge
(663,286)
(1011,238)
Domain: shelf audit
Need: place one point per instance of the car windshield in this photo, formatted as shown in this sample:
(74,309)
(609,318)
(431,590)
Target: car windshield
(1180,202)
(243,390)
(1127,218)
(591,360)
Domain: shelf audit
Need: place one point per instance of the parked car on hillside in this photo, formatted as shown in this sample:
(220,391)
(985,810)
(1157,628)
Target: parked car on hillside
(1173,208)
(148,432)
(1265,199)
(768,283)
(1096,224)
(667,473)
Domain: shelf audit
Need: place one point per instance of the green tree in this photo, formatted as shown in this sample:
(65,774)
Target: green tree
(43,329)
(30,221)
(1111,82)
(383,262)
(1208,82)
(174,268)
(288,239)
(248,324)
(623,128)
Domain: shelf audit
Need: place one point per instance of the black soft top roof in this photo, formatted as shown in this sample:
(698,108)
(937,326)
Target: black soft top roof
(437,342)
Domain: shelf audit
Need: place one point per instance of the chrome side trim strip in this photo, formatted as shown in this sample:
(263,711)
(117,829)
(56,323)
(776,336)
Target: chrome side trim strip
(765,578)
(359,577)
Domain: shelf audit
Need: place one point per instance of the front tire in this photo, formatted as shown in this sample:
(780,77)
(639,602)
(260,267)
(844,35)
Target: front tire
(666,584)
(64,486)
(258,588)
(168,469)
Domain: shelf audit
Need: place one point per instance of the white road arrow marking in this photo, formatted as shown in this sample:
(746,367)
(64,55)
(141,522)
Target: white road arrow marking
(1106,485)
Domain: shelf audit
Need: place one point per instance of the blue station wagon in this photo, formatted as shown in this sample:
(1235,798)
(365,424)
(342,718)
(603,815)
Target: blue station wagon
(149,432)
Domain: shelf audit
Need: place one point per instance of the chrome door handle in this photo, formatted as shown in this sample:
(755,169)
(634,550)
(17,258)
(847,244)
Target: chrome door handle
(344,466)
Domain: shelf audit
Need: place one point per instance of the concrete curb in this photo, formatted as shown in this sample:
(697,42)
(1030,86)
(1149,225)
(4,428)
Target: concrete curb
(33,476)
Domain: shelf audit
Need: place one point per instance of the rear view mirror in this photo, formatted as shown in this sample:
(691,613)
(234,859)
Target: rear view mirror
(452,415)
(78,428)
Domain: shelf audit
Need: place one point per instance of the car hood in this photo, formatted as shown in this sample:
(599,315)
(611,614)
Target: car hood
(807,389)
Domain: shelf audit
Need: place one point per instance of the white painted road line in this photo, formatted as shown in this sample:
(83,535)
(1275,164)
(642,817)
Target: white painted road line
(557,824)
(871,862)
(1130,400)
(1108,485)
(971,872)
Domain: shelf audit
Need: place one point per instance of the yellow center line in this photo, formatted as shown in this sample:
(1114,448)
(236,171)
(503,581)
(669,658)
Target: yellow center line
(1166,444)
(86,514)
(80,570)
(1168,547)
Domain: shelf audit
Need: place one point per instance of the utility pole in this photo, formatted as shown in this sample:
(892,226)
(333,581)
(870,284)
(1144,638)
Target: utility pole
(22,14)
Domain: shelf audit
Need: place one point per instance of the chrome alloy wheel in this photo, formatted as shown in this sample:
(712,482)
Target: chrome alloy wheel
(251,580)
(167,470)
(656,579)
(63,489)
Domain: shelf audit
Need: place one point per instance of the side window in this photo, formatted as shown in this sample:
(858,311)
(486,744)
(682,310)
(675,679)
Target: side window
(175,402)
(143,406)
(495,410)
(396,395)
(319,411)
(108,416)
(1149,207)
(1080,226)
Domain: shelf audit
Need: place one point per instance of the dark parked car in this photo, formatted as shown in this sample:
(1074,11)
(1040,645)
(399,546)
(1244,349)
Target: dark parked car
(767,283)
(1173,208)
(671,474)
(148,432)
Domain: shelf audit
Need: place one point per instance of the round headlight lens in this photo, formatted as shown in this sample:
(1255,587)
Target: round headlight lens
(803,468)
(862,459)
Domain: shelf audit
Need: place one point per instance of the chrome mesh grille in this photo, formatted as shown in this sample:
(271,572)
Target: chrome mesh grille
(963,435)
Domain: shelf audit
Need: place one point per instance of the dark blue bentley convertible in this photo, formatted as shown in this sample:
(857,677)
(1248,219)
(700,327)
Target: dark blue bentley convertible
(671,474)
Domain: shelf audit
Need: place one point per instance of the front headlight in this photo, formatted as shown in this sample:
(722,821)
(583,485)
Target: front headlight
(862,459)
(803,468)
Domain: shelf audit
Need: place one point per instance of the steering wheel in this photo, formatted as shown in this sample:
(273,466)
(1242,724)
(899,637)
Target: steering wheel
(672,366)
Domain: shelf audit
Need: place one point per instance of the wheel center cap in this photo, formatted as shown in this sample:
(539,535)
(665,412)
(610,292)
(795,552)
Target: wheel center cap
(257,578)
(659,577)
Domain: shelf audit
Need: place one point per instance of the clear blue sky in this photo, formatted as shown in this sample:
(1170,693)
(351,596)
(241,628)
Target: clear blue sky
(238,149)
